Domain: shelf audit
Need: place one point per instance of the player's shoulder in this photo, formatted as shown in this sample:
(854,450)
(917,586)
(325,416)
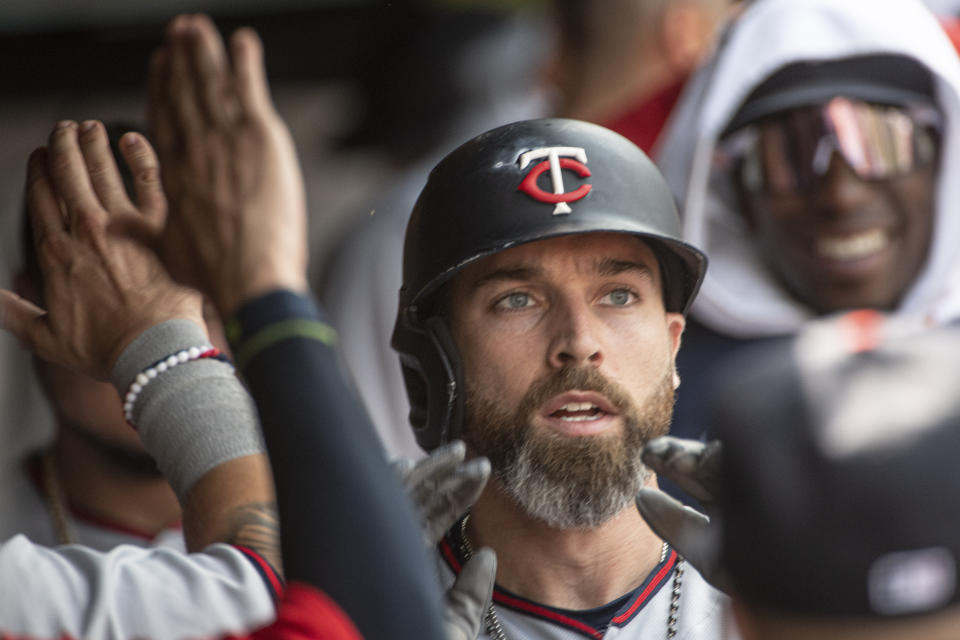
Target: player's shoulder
(704,610)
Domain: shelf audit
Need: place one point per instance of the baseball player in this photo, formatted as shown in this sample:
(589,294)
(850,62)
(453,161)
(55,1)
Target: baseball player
(813,156)
(543,301)
(95,305)
(354,552)
(93,484)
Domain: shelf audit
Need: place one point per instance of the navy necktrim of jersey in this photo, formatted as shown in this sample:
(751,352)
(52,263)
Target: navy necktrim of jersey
(582,622)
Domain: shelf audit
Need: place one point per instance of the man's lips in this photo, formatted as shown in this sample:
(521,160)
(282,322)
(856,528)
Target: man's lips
(579,406)
(578,401)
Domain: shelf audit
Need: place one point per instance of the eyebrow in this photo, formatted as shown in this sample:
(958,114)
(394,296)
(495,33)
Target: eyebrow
(613,267)
(602,267)
(507,274)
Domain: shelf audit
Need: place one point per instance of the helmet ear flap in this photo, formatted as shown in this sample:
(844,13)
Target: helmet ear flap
(433,375)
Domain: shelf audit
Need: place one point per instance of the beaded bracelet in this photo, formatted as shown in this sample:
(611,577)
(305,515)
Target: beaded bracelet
(144,377)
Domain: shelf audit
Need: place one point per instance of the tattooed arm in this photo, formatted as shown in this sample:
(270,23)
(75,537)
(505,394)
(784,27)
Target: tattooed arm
(224,507)
(238,216)
(113,313)
(200,424)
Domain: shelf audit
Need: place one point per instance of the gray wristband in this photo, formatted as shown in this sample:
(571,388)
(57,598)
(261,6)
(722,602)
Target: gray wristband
(191,417)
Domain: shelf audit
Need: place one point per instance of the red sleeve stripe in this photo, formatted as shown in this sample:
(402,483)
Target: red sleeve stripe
(651,588)
(269,574)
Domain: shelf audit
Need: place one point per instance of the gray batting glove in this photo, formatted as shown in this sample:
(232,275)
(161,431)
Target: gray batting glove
(693,466)
(469,597)
(443,487)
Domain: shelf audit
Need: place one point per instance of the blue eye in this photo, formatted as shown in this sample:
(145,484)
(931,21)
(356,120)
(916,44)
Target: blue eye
(518,300)
(619,298)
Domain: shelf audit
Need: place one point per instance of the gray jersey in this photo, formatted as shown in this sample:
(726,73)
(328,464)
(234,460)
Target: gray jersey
(129,592)
(642,615)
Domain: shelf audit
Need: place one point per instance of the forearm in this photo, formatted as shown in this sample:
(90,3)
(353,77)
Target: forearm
(348,527)
(200,425)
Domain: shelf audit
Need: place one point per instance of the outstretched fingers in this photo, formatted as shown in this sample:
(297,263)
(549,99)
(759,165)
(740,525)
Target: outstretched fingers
(444,487)
(101,166)
(46,218)
(145,168)
(253,90)
(212,73)
(25,321)
(686,529)
(441,463)
(163,124)
(200,80)
(685,462)
(469,597)
(180,89)
(70,178)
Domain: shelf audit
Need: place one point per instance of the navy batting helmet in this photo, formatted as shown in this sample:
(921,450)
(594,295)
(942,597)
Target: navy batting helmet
(515,184)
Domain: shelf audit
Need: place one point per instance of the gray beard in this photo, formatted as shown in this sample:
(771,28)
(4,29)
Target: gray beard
(568,482)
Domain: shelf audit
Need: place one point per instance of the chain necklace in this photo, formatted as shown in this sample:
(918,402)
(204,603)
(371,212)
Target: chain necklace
(492,622)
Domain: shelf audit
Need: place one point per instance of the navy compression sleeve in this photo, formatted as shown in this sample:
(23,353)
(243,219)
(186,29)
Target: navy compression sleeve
(347,526)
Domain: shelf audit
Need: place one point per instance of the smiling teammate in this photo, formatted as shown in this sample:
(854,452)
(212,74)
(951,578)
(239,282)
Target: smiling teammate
(809,157)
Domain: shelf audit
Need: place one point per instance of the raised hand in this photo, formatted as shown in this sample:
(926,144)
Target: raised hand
(693,466)
(101,288)
(443,487)
(237,224)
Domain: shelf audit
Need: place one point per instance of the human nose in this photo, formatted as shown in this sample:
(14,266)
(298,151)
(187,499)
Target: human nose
(575,336)
(840,189)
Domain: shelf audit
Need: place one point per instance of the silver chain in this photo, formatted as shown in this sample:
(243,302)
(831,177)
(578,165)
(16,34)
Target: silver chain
(675,598)
(492,622)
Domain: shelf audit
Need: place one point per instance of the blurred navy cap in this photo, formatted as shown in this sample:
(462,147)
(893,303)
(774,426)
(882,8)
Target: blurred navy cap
(840,490)
(882,78)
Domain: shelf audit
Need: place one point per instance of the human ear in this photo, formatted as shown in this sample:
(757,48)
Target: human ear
(675,325)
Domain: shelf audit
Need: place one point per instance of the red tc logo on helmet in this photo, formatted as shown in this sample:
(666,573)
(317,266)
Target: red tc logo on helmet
(557,158)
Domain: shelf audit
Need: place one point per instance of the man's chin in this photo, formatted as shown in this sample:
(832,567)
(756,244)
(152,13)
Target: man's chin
(567,476)
(574,482)
(563,506)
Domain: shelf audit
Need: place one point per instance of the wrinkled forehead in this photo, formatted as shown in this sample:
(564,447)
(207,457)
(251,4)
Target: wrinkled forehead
(565,256)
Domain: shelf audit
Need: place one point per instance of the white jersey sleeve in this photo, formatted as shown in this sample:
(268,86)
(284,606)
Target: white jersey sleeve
(129,592)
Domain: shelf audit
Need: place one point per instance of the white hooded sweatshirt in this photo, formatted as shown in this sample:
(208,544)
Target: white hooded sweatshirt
(740,297)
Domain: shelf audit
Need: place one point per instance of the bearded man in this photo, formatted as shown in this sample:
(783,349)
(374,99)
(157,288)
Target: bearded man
(541,312)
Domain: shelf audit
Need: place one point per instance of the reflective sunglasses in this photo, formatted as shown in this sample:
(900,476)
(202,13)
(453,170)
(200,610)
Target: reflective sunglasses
(788,152)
